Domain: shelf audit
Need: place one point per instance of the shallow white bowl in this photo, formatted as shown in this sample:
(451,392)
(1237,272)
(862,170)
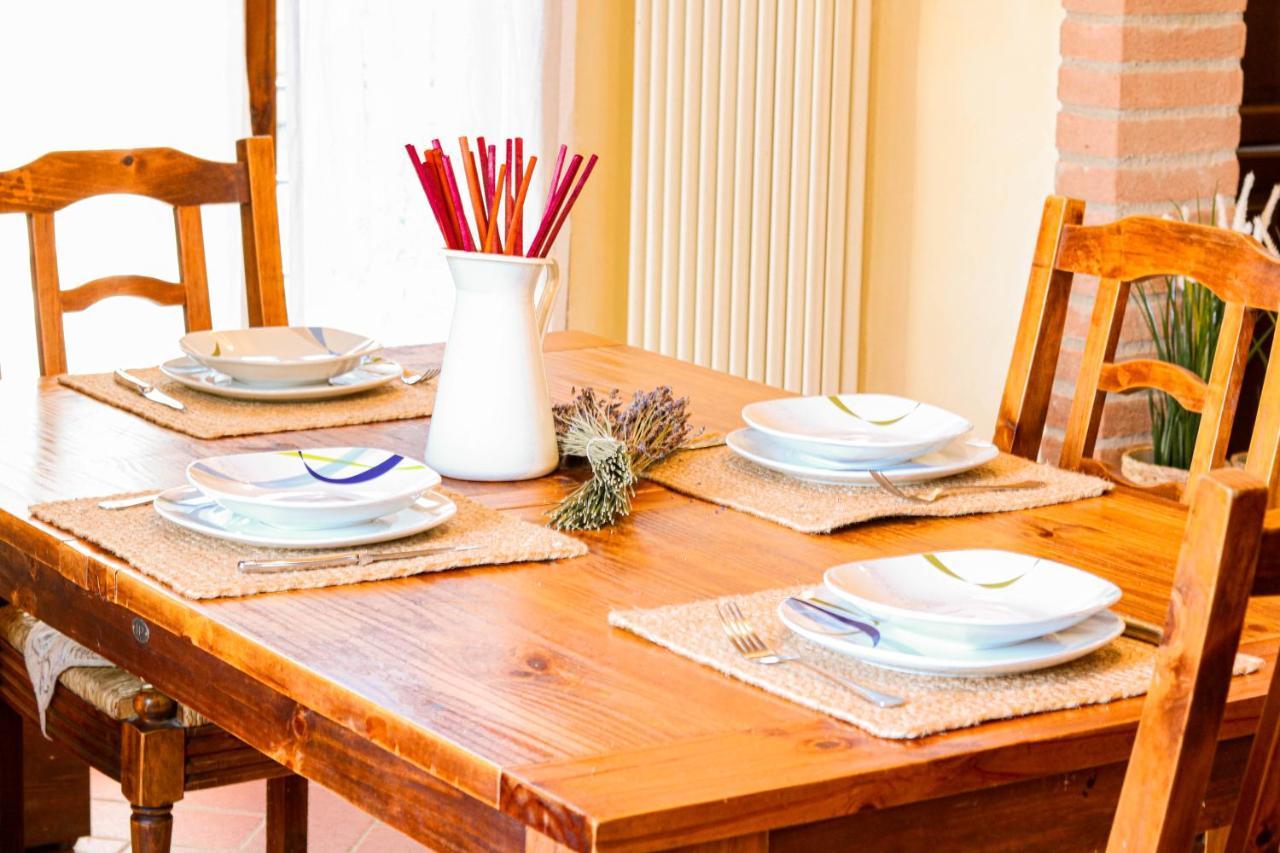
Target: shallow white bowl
(975,598)
(279,356)
(367,375)
(873,430)
(313,489)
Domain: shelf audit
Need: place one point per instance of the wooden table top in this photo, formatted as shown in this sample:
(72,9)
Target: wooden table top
(508,683)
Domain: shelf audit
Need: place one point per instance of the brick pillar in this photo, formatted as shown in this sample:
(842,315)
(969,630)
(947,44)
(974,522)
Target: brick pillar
(1150,93)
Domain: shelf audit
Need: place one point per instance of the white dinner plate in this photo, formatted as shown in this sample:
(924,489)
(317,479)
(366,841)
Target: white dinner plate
(279,356)
(187,507)
(978,598)
(314,488)
(922,656)
(193,374)
(873,429)
(764,450)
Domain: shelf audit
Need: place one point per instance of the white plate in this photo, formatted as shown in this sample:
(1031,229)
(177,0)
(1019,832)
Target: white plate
(978,598)
(783,456)
(920,656)
(186,507)
(278,356)
(197,376)
(872,429)
(315,488)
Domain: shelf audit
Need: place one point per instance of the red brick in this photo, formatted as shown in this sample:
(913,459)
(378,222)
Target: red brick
(1156,183)
(1149,89)
(1133,327)
(1153,7)
(1126,414)
(1130,136)
(1132,40)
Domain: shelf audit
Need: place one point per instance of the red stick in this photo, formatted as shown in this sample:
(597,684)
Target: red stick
(486,185)
(564,214)
(513,230)
(451,216)
(519,204)
(460,212)
(553,208)
(510,202)
(490,176)
(493,209)
(555,176)
(428,188)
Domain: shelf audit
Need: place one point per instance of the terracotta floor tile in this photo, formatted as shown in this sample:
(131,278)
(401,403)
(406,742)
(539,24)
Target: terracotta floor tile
(244,798)
(333,824)
(213,830)
(100,845)
(109,819)
(384,839)
(103,787)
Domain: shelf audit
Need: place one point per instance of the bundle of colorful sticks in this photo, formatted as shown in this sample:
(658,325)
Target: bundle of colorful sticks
(496,189)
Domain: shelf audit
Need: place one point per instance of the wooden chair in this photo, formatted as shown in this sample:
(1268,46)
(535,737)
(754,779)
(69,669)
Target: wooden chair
(109,718)
(1119,253)
(56,180)
(1172,757)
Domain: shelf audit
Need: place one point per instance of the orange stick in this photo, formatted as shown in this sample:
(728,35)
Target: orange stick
(491,235)
(473,184)
(513,227)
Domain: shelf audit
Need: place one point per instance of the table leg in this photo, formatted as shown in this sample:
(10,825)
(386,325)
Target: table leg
(287,815)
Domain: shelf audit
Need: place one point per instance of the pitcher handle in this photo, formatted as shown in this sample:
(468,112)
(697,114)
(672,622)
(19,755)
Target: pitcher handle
(547,298)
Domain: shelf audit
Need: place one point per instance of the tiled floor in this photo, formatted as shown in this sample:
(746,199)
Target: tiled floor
(231,818)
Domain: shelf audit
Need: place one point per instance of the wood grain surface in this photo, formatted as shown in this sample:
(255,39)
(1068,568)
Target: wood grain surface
(468,706)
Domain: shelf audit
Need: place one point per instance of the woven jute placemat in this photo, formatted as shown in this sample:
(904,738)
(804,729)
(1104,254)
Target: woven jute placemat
(199,566)
(208,416)
(934,704)
(720,476)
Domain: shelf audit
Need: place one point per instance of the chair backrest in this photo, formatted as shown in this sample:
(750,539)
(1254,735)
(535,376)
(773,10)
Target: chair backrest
(1169,768)
(55,180)
(1119,253)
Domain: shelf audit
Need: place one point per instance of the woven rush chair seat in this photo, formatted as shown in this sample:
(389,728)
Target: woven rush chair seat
(107,688)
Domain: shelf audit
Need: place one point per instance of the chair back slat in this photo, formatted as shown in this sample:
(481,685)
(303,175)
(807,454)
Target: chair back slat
(1135,373)
(56,180)
(60,178)
(142,286)
(191,267)
(1029,383)
(46,293)
(1264,446)
(1099,348)
(1235,336)
(1177,739)
(1233,266)
(260,233)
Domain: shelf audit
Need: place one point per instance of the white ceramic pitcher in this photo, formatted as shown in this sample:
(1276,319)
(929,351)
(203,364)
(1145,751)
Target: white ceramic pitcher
(492,415)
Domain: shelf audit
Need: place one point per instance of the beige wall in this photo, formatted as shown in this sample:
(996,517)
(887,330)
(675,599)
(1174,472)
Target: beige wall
(963,105)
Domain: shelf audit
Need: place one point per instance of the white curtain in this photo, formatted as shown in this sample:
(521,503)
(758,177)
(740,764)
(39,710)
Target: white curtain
(361,79)
(87,74)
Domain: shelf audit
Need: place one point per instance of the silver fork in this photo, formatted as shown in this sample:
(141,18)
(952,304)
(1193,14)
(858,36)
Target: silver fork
(411,377)
(749,644)
(939,492)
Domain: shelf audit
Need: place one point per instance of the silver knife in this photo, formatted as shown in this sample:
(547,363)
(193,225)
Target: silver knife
(332,561)
(146,389)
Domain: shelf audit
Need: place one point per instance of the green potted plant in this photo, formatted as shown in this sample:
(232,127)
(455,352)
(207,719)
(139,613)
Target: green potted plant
(1184,317)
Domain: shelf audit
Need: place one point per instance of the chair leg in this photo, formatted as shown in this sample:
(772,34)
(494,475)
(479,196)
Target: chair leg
(12,831)
(287,814)
(152,767)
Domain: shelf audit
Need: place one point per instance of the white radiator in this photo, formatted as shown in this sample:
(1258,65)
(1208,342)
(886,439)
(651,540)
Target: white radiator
(748,170)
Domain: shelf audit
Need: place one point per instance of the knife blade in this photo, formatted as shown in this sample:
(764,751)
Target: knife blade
(333,561)
(1140,629)
(146,389)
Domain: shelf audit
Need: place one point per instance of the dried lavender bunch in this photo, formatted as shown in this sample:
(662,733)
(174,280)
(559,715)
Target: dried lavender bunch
(619,443)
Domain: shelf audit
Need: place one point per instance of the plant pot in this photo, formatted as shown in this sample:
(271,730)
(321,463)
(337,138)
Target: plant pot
(1137,467)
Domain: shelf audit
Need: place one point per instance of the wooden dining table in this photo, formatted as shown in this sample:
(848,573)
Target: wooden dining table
(495,708)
